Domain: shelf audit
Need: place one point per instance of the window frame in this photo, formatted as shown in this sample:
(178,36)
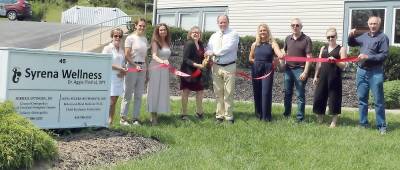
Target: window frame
(187,13)
(203,22)
(394,26)
(167,14)
(367,8)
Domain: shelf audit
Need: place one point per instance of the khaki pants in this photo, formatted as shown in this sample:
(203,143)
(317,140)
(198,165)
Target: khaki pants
(224,84)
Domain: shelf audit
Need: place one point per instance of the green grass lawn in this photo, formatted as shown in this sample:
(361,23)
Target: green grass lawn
(253,144)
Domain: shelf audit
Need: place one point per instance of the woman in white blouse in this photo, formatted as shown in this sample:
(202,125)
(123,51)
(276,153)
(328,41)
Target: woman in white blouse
(118,70)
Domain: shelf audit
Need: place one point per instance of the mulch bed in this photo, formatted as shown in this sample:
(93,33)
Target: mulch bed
(99,148)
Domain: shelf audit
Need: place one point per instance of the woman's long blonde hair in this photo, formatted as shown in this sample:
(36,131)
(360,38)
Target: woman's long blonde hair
(270,39)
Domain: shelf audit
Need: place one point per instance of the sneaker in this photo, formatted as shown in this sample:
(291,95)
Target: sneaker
(124,121)
(199,115)
(184,117)
(382,131)
(219,121)
(136,122)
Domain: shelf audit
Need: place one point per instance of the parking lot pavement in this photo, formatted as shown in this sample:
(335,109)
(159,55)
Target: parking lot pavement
(34,35)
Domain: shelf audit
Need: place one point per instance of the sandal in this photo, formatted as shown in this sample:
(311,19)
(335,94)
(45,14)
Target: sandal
(199,115)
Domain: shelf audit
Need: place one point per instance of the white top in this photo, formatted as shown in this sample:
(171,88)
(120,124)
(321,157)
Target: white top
(139,47)
(227,52)
(117,57)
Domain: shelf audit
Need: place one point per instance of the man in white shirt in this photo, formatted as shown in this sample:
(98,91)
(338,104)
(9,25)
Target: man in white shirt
(222,47)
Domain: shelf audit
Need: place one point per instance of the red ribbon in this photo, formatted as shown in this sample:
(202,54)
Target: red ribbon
(243,74)
(319,60)
(171,69)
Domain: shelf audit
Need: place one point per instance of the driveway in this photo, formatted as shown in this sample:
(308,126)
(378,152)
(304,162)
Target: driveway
(34,35)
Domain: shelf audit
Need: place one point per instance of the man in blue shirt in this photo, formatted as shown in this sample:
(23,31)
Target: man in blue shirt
(374,48)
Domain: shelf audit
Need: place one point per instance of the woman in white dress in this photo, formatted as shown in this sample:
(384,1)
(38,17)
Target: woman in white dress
(158,89)
(135,54)
(118,70)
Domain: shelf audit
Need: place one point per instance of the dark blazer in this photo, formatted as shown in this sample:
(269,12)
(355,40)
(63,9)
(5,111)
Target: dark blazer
(190,56)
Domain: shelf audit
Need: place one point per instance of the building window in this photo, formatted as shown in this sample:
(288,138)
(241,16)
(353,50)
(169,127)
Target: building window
(168,19)
(359,18)
(187,21)
(210,21)
(396,32)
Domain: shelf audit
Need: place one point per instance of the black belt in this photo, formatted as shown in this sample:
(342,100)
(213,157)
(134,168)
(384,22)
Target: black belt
(136,62)
(227,64)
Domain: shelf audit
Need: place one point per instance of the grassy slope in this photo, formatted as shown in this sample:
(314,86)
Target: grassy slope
(282,144)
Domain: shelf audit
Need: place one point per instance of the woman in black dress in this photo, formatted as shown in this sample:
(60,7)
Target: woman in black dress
(328,79)
(193,55)
(262,54)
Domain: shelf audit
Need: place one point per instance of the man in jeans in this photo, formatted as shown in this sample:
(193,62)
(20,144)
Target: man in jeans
(374,48)
(299,45)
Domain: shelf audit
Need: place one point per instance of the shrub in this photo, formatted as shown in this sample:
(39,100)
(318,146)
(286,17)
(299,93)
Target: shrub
(244,51)
(21,143)
(391,90)
(392,64)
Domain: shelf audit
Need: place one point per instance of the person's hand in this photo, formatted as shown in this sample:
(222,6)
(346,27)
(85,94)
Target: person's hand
(165,62)
(331,59)
(315,81)
(362,57)
(122,72)
(303,76)
(282,56)
(139,68)
(352,32)
(251,61)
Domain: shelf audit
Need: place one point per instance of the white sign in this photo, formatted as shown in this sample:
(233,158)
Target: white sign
(57,89)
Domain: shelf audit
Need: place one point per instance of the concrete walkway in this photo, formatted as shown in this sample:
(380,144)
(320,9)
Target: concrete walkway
(91,43)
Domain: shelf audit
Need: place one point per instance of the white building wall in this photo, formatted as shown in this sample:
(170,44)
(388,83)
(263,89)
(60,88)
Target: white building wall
(161,4)
(245,15)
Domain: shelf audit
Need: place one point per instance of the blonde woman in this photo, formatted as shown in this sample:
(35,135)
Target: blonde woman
(261,56)
(158,90)
(135,54)
(118,70)
(193,55)
(328,79)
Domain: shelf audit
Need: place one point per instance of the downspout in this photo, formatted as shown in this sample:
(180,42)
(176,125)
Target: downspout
(154,12)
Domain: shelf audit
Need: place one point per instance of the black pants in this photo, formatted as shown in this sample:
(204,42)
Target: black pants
(262,89)
(329,86)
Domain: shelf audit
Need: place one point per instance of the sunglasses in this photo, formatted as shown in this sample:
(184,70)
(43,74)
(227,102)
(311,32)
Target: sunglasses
(329,37)
(295,25)
(117,36)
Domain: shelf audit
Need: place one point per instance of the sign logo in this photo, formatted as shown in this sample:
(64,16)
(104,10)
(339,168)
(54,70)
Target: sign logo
(16,74)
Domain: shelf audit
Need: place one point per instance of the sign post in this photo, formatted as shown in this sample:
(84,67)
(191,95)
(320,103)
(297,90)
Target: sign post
(57,89)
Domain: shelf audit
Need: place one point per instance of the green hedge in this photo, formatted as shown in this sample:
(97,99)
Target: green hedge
(21,143)
(391,90)
(392,64)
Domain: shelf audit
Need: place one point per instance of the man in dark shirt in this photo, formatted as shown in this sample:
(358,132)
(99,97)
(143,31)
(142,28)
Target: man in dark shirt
(374,50)
(297,44)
